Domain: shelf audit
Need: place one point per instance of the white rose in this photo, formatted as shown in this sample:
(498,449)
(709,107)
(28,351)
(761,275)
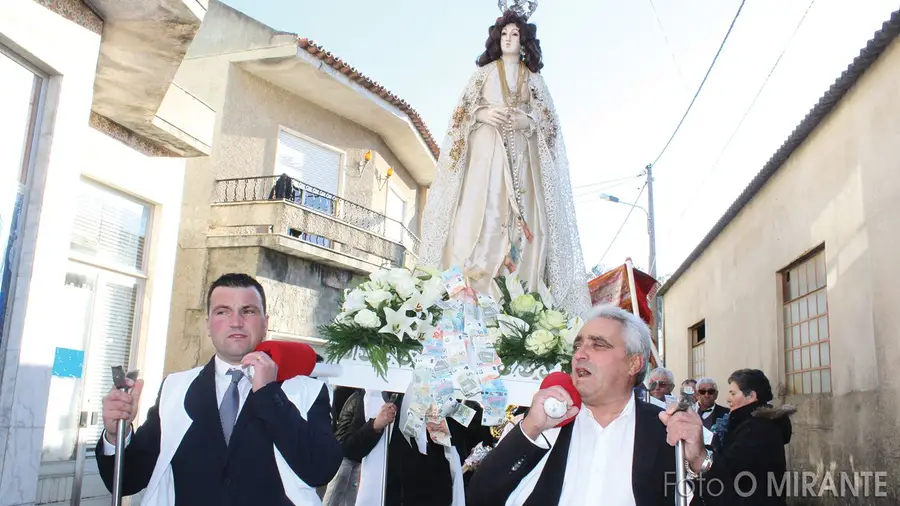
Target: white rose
(494,334)
(540,342)
(354,301)
(376,297)
(368,319)
(552,320)
(524,304)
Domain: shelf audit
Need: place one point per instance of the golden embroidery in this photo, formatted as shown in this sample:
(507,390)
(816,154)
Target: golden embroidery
(456,152)
(460,115)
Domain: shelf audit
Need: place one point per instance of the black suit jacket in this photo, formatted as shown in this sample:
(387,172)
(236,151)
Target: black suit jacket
(206,471)
(718,412)
(652,475)
(413,479)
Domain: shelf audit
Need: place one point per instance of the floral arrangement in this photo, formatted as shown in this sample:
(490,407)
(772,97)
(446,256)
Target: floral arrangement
(529,332)
(387,316)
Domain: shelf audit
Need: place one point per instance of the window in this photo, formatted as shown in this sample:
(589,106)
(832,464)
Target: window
(396,211)
(20,100)
(806,337)
(698,350)
(314,165)
(102,292)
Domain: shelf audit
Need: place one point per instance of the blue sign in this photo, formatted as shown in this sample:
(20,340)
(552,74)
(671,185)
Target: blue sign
(68,363)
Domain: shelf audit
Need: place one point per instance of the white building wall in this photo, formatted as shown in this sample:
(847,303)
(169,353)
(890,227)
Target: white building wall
(67,149)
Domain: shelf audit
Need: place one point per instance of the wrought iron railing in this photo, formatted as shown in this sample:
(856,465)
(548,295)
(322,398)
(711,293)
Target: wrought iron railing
(272,188)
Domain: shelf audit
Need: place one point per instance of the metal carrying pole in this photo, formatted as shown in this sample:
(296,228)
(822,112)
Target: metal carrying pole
(391,398)
(119,380)
(682,490)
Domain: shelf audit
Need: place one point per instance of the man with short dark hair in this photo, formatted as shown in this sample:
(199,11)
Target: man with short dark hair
(226,432)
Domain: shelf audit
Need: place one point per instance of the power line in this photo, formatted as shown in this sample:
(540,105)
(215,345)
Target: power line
(669,46)
(598,183)
(678,127)
(630,210)
(715,164)
(699,88)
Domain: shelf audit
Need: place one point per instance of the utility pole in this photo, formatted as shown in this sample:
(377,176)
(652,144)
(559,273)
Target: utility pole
(651,225)
(651,232)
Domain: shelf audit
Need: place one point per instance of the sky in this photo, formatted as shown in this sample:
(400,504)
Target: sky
(621,73)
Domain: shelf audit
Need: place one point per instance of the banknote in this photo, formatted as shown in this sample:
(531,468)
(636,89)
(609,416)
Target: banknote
(453,281)
(467,381)
(493,396)
(439,432)
(414,424)
(463,414)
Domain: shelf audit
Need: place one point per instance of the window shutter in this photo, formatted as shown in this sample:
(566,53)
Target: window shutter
(109,228)
(307,162)
(112,335)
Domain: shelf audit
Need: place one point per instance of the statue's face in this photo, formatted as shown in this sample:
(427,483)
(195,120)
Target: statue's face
(509,39)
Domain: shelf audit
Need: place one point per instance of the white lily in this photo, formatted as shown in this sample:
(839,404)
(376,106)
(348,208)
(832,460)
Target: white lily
(398,323)
(354,301)
(510,324)
(406,287)
(380,277)
(397,275)
(514,286)
(433,290)
(424,329)
(568,335)
(546,295)
(376,297)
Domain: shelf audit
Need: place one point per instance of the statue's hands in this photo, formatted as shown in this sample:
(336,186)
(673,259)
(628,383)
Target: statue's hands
(493,116)
(520,121)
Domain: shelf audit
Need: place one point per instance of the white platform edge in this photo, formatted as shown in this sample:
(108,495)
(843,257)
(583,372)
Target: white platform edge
(361,374)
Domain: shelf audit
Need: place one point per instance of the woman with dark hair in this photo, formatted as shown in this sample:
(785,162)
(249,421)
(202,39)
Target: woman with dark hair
(749,441)
(502,201)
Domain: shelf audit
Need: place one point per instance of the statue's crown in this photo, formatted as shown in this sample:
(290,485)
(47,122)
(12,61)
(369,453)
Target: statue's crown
(524,8)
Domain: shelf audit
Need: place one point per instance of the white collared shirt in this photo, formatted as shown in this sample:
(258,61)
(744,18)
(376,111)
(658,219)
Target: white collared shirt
(223,381)
(599,464)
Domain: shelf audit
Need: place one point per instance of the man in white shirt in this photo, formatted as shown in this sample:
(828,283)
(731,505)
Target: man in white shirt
(614,452)
(226,433)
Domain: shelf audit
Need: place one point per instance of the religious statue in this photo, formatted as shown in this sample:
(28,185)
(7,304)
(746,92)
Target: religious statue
(501,202)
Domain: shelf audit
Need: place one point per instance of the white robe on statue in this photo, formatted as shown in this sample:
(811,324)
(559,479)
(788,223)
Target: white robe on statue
(471,218)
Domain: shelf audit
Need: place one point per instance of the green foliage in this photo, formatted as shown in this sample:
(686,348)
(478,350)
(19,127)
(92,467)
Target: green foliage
(344,339)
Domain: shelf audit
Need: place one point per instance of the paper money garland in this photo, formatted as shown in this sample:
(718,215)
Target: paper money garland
(457,361)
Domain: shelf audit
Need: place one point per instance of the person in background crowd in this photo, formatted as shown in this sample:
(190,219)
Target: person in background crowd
(350,420)
(689,382)
(212,436)
(662,382)
(413,478)
(706,394)
(748,453)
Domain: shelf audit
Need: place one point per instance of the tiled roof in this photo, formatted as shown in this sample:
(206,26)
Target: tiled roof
(867,56)
(367,83)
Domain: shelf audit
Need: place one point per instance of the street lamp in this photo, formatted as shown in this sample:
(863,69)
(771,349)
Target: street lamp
(650,228)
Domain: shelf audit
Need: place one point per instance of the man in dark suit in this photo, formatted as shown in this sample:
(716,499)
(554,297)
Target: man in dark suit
(706,394)
(413,478)
(612,450)
(226,433)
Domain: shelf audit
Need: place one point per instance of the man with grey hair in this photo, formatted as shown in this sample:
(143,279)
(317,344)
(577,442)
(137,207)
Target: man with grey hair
(662,382)
(612,449)
(706,394)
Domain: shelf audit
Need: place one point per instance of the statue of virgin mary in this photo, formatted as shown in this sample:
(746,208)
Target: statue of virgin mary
(501,202)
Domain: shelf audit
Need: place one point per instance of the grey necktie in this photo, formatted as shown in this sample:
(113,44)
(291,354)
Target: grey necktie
(228,410)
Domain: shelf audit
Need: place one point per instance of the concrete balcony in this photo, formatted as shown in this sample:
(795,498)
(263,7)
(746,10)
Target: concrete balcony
(143,45)
(297,219)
